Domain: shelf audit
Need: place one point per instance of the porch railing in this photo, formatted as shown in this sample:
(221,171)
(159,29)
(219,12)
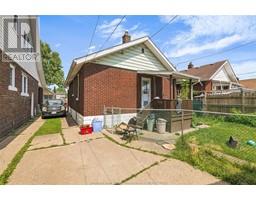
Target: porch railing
(171,104)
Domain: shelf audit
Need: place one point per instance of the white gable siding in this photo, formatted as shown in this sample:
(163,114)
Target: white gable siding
(30,67)
(222,76)
(132,58)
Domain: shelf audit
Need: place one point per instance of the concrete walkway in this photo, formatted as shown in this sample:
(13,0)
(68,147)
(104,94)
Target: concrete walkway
(10,146)
(94,159)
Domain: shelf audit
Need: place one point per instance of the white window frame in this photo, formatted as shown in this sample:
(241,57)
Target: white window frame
(12,81)
(78,86)
(24,90)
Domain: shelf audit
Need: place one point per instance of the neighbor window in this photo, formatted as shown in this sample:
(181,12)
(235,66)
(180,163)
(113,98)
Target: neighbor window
(12,78)
(226,87)
(24,85)
(218,87)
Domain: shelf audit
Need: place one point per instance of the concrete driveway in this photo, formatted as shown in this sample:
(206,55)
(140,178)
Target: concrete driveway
(95,159)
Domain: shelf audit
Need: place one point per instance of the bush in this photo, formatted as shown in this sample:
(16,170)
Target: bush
(246,120)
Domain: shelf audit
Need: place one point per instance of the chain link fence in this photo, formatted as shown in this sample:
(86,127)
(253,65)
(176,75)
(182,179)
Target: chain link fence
(233,134)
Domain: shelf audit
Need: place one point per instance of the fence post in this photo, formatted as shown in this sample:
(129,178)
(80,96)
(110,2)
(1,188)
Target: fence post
(205,101)
(112,120)
(242,99)
(182,121)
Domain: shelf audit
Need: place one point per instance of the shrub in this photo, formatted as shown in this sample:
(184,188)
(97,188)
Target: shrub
(246,120)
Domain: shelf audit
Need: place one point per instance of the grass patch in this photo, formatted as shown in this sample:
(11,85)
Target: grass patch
(51,126)
(219,132)
(12,165)
(215,138)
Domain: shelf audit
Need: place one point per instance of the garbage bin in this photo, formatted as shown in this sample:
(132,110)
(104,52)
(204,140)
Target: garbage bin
(151,122)
(161,125)
(96,125)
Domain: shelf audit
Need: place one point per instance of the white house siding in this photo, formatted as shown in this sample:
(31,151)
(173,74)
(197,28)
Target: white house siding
(222,76)
(29,67)
(132,58)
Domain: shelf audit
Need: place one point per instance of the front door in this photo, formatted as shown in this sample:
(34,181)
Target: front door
(145,91)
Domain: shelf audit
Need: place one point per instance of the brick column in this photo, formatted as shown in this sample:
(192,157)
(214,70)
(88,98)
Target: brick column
(174,89)
(171,87)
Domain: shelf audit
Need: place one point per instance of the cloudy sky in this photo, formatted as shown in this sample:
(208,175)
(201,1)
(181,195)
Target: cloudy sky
(202,39)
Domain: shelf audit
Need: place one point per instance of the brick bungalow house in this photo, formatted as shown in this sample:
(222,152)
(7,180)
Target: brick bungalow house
(215,76)
(249,83)
(129,75)
(21,83)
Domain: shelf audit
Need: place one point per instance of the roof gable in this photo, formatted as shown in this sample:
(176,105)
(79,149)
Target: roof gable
(221,75)
(205,72)
(225,73)
(138,57)
(157,57)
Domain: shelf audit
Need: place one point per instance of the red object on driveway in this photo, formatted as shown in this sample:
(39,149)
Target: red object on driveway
(85,129)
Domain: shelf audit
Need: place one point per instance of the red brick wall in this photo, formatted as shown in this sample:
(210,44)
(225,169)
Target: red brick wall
(14,108)
(103,85)
(108,86)
(208,86)
(204,86)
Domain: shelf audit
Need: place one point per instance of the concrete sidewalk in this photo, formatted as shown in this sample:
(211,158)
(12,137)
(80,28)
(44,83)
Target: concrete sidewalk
(13,143)
(94,159)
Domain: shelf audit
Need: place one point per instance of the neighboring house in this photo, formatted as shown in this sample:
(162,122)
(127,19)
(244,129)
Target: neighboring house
(48,94)
(214,77)
(248,83)
(129,75)
(61,95)
(21,83)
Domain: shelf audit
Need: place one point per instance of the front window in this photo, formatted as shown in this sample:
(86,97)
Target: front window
(24,85)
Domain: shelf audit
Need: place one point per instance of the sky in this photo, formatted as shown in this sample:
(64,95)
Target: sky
(186,39)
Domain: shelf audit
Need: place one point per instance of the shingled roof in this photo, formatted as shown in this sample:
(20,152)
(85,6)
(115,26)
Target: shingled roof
(249,83)
(205,72)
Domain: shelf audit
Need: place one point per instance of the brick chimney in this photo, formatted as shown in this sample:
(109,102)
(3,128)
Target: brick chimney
(190,65)
(126,37)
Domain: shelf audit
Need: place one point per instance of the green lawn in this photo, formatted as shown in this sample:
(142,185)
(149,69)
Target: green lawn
(51,126)
(215,138)
(218,134)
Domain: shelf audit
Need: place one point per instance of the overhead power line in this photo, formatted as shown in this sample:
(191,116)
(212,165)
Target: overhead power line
(93,33)
(209,55)
(112,33)
(163,27)
(254,72)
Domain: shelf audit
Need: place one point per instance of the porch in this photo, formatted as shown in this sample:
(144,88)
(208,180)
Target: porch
(163,85)
(162,101)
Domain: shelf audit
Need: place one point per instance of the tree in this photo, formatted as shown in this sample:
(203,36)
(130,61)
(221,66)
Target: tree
(184,89)
(53,69)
